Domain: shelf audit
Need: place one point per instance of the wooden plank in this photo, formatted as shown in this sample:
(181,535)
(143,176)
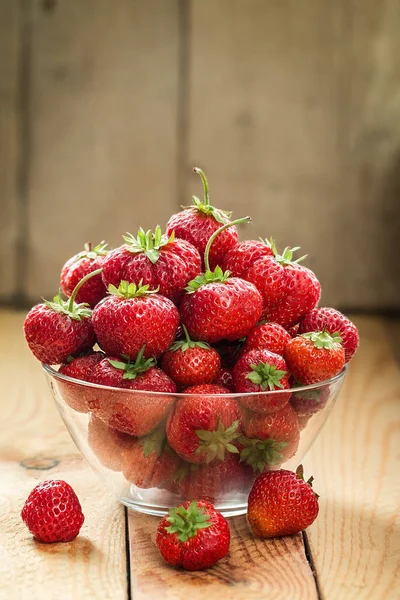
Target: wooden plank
(35,445)
(264,121)
(254,568)
(9,54)
(355,541)
(104,104)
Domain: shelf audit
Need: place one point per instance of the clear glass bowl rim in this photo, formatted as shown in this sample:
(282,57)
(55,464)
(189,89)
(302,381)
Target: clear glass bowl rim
(56,375)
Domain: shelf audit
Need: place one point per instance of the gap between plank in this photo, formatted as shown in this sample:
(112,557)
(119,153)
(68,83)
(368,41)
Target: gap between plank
(128,556)
(183,99)
(310,560)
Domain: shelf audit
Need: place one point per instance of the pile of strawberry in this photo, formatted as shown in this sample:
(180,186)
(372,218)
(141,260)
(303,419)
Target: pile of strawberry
(192,310)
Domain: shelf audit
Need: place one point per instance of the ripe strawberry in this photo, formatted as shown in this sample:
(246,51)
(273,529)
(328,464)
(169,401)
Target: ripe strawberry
(87,261)
(242,256)
(133,316)
(271,336)
(81,368)
(308,402)
(289,290)
(269,439)
(56,330)
(191,363)
(202,425)
(225,379)
(261,371)
(52,512)
(294,330)
(333,321)
(281,503)
(218,307)
(314,357)
(193,536)
(155,260)
(108,444)
(149,461)
(198,222)
(135,414)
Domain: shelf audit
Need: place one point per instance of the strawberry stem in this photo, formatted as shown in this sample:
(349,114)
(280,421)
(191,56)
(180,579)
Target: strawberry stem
(216,233)
(78,287)
(205,185)
(187,336)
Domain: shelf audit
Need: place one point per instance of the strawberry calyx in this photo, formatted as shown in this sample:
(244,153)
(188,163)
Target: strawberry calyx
(154,441)
(187,343)
(92,253)
(148,242)
(69,307)
(184,470)
(300,474)
(266,376)
(186,522)
(260,454)
(214,443)
(131,290)
(286,258)
(216,276)
(323,339)
(133,369)
(205,208)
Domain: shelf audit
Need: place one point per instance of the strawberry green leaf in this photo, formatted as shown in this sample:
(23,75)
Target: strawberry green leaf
(73,310)
(323,339)
(132,369)
(131,290)
(266,376)
(208,277)
(148,242)
(213,444)
(260,454)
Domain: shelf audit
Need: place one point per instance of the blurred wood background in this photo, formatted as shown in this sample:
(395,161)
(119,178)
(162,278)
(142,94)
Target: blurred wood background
(292,108)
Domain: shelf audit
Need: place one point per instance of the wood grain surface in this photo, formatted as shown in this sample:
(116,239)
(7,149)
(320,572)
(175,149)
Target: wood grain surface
(355,541)
(254,568)
(35,445)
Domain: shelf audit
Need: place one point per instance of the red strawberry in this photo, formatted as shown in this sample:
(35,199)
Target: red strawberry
(271,336)
(81,368)
(154,259)
(135,414)
(270,439)
(261,371)
(333,321)
(191,363)
(294,330)
(108,444)
(80,265)
(308,402)
(193,536)
(225,379)
(203,425)
(314,357)
(242,256)
(218,307)
(289,290)
(52,512)
(197,223)
(149,461)
(281,503)
(133,316)
(55,330)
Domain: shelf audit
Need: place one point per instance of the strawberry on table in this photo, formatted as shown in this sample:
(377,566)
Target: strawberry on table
(204,424)
(269,439)
(149,461)
(56,330)
(154,259)
(271,336)
(135,414)
(191,363)
(108,444)
(134,315)
(81,368)
(333,321)
(281,503)
(288,289)
(87,261)
(242,256)
(193,536)
(261,371)
(315,356)
(218,307)
(52,512)
(198,222)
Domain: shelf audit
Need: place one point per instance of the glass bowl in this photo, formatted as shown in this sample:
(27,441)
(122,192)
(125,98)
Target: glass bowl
(268,430)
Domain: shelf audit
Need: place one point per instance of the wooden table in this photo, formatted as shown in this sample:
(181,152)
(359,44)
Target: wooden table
(352,551)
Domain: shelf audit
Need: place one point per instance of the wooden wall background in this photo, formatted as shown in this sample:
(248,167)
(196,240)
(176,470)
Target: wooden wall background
(291,106)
